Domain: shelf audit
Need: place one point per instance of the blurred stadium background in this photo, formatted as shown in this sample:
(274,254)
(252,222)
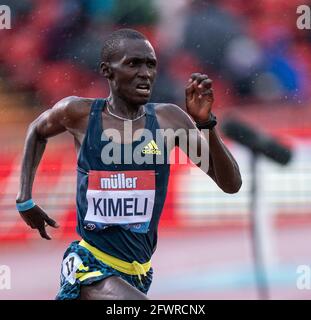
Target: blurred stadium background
(261,65)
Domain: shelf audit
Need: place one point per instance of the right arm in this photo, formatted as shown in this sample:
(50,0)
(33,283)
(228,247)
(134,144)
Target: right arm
(50,123)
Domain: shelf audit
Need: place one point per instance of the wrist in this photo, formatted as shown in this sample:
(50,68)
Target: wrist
(200,120)
(22,197)
(25,205)
(207,124)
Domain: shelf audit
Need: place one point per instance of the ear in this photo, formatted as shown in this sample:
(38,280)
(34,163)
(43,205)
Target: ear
(105,70)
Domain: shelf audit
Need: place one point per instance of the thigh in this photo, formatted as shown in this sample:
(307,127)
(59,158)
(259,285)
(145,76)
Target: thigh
(112,288)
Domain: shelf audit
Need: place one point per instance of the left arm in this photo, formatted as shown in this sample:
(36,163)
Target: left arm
(223,168)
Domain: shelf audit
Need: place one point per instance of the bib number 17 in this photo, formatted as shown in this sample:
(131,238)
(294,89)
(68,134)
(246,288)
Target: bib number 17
(69,267)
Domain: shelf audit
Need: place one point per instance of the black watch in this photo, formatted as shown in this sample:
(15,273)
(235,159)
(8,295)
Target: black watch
(209,124)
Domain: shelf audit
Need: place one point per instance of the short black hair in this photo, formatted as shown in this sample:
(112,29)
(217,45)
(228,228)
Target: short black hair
(112,41)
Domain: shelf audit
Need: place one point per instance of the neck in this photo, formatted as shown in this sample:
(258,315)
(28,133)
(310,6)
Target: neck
(124,109)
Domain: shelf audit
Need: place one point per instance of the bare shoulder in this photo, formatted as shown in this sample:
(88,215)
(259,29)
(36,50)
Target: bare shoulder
(167,108)
(172,116)
(73,106)
(69,114)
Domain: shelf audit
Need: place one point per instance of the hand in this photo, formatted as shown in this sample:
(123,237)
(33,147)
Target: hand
(36,218)
(199,97)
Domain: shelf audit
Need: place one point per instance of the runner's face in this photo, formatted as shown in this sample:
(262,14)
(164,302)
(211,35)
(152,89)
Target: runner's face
(133,71)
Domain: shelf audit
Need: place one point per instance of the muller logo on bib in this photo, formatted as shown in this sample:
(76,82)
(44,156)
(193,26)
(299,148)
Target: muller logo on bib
(121,198)
(118,181)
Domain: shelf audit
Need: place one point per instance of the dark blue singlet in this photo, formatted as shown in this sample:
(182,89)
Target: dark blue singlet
(132,241)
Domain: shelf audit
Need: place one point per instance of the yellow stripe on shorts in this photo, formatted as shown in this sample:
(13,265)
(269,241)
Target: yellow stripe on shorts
(134,268)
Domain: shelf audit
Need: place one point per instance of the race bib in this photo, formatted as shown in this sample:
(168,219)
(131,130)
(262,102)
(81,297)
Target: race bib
(69,267)
(124,198)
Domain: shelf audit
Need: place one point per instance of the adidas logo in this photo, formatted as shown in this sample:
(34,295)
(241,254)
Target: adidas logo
(151,148)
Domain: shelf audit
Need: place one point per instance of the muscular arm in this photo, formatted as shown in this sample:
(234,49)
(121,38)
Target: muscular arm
(52,122)
(38,132)
(205,149)
(223,167)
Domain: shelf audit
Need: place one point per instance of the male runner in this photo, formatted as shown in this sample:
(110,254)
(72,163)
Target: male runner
(119,203)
